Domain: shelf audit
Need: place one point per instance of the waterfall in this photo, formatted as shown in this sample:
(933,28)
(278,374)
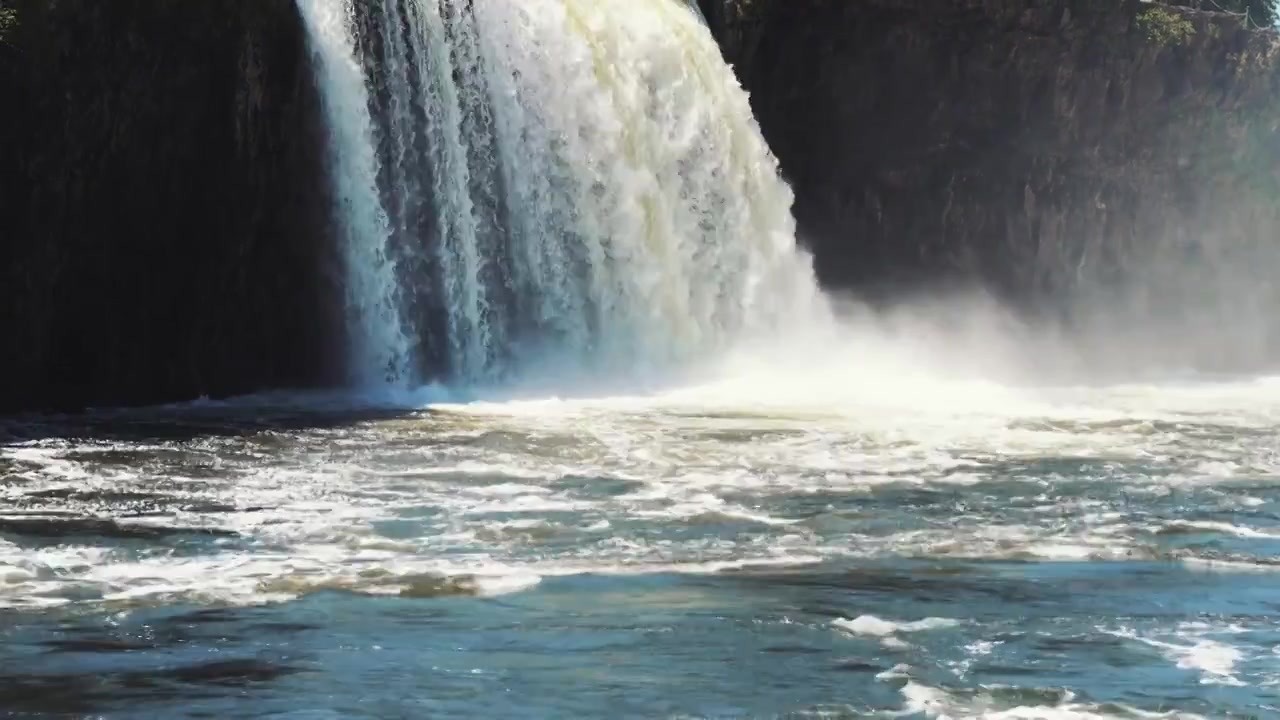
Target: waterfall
(380,347)
(567,184)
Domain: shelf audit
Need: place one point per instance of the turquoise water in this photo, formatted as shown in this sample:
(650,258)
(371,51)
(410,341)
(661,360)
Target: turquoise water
(990,552)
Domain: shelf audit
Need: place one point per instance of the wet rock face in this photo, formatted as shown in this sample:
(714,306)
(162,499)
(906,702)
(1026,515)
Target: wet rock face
(163,224)
(1042,148)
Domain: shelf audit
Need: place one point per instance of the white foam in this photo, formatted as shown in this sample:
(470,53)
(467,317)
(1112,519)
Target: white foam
(1215,661)
(693,480)
(932,702)
(1080,711)
(877,627)
(1216,565)
(1221,528)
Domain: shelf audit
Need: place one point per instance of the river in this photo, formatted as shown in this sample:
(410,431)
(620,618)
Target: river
(969,550)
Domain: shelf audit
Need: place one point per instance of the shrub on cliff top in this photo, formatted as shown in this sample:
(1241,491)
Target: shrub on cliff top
(1165,27)
(8,21)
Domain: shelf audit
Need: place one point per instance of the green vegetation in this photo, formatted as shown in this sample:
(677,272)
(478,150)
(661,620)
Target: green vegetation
(8,21)
(1168,26)
(1165,27)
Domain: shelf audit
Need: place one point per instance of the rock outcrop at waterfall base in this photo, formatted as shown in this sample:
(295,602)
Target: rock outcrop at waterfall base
(1042,148)
(163,232)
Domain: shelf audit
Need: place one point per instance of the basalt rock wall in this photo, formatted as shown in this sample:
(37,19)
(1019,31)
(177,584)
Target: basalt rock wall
(1066,155)
(163,212)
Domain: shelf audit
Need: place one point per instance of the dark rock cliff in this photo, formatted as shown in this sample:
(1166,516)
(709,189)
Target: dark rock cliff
(162,204)
(1071,156)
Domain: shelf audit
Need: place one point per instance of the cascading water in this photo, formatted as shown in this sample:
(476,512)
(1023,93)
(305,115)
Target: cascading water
(567,184)
(650,225)
(381,349)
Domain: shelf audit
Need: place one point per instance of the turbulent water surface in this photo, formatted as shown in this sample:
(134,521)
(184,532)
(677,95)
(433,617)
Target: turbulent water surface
(936,549)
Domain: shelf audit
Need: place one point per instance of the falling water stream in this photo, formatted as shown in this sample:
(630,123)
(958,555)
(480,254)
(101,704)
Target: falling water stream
(381,350)
(569,184)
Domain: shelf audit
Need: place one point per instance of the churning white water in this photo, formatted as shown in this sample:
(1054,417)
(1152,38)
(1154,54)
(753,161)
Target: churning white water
(568,184)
